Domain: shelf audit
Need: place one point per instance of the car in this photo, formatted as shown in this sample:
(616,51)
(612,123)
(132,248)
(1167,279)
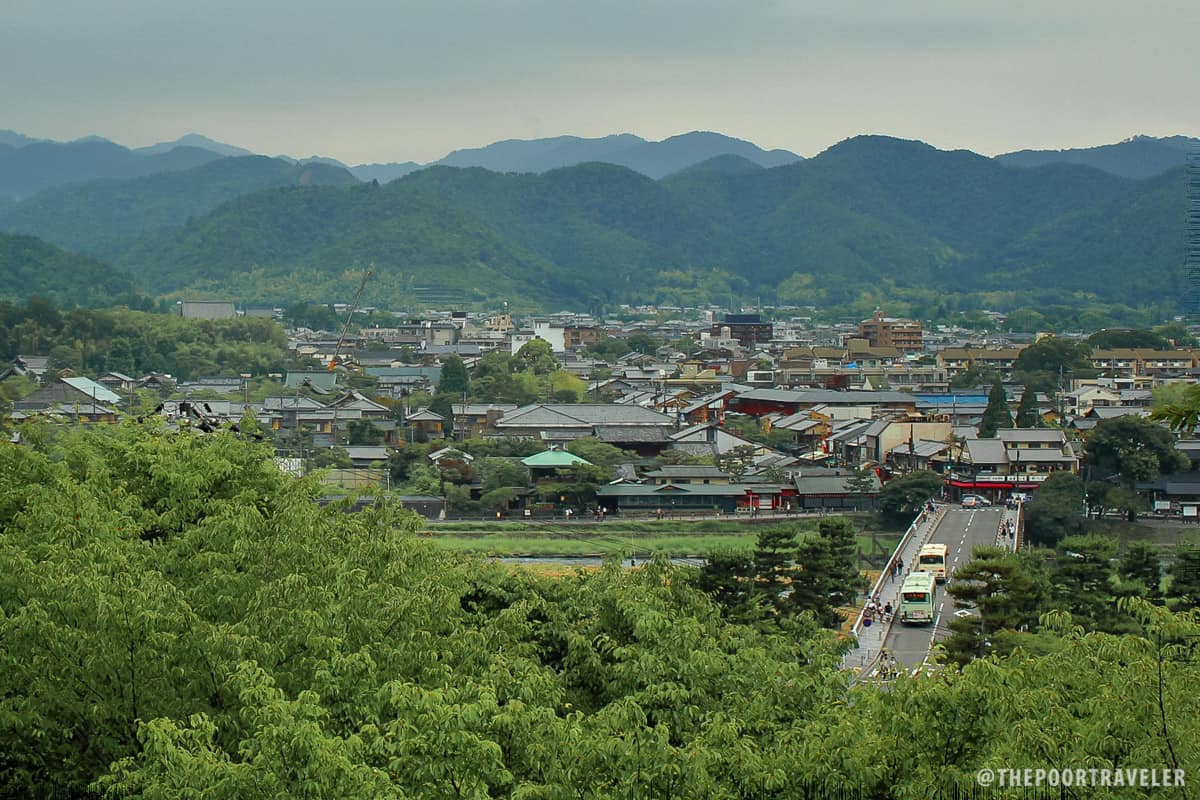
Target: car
(973,501)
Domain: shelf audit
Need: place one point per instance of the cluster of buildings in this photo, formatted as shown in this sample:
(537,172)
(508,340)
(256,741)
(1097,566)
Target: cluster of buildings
(836,408)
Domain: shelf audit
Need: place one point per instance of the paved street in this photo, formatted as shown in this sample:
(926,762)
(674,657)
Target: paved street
(961,531)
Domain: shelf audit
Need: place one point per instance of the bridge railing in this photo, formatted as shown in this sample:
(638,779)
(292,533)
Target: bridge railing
(885,574)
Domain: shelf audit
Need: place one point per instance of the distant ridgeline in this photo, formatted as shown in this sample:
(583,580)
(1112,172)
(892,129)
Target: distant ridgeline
(869,221)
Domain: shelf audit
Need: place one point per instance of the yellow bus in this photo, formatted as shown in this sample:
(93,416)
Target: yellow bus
(932,559)
(916,598)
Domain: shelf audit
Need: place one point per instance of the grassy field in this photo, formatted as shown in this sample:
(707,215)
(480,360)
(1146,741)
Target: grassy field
(606,541)
(624,526)
(1163,534)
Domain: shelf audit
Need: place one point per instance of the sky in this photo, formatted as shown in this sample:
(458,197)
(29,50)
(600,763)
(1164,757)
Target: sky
(398,80)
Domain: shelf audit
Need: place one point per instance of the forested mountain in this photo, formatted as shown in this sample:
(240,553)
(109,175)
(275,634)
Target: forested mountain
(30,169)
(654,159)
(1138,157)
(13,139)
(103,217)
(29,266)
(384,172)
(727,164)
(870,219)
(195,140)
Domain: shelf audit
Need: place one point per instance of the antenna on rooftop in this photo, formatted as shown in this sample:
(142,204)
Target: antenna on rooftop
(1192,263)
(349,317)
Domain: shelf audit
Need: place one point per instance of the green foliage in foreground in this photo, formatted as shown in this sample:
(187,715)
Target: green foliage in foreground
(179,619)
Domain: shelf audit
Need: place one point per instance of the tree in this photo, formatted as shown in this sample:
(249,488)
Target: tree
(1056,510)
(363,432)
(537,357)
(1184,589)
(642,343)
(974,375)
(1181,411)
(602,454)
(1083,581)
(181,618)
(727,576)
(1176,334)
(443,405)
(1141,566)
(735,462)
(863,482)
(330,457)
(1028,415)
(454,380)
(826,577)
(501,473)
(904,497)
(1116,338)
(1043,361)
(996,415)
(1134,448)
(500,498)
(1007,591)
(774,566)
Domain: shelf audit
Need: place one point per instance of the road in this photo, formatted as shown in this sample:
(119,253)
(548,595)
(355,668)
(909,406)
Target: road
(961,531)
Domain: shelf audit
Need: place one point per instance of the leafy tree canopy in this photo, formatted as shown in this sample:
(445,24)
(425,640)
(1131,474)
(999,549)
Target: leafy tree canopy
(182,618)
(902,498)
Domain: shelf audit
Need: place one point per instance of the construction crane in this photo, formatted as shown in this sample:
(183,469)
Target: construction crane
(333,360)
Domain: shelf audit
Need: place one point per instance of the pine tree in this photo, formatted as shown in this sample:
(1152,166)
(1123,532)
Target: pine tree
(1007,589)
(1185,579)
(826,576)
(727,577)
(996,415)
(774,565)
(1140,564)
(454,380)
(1027,411)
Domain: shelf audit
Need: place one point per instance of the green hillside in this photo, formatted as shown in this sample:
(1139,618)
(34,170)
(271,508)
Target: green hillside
(29,266)
(103,217)
(870,220)
(1138,157)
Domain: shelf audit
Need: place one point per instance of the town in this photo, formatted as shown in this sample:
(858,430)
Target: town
(664,411)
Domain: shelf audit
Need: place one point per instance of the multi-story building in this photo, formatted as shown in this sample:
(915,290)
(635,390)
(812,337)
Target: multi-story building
(1016,460)
(959,359)
(903,334)
(748,329)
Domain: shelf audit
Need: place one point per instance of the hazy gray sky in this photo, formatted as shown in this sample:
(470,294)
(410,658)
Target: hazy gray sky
(372,80)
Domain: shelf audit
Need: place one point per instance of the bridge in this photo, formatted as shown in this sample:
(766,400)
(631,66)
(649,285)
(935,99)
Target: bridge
(961,530)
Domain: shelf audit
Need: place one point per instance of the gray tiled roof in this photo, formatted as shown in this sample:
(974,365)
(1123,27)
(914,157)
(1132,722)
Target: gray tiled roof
(686,471)
(1030,435)
(830,396)
(986,451)
(631,433)
(548,415)
(827,484)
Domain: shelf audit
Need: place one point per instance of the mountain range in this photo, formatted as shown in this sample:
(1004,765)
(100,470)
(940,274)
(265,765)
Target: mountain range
(29,165)
(1137,157)
(26,169)
(868,220)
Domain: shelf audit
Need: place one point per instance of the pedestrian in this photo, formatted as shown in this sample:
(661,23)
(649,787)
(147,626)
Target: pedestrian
(887,611)
(900,564)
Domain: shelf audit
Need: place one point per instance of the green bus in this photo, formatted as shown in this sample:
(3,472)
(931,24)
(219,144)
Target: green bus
(916,598)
